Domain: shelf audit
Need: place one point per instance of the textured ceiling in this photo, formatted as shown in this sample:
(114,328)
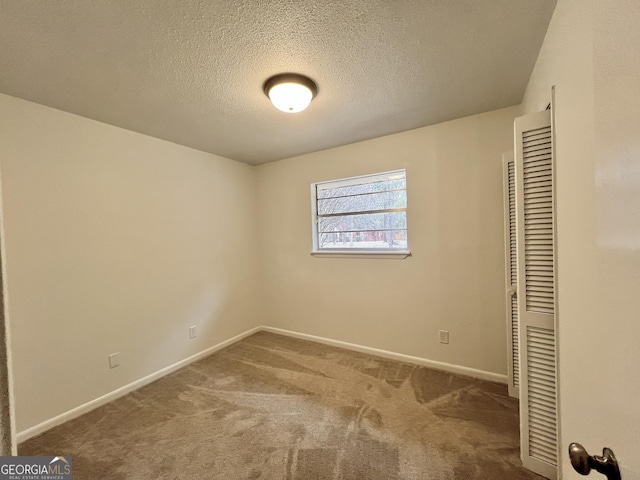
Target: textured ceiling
(191,72)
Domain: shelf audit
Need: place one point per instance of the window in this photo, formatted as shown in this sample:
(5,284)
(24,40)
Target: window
(361,215)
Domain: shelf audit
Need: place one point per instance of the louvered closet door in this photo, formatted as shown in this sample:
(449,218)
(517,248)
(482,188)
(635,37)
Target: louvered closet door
(511,273)
(536,293)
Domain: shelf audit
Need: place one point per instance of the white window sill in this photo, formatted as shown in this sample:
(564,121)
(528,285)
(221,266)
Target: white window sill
(392,254)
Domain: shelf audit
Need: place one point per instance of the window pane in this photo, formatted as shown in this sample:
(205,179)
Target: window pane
(364,187)
(364,240)
(363,203)
(364,222)
(367,212)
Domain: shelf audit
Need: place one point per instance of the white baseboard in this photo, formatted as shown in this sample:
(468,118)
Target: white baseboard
(109,397)
(447,367)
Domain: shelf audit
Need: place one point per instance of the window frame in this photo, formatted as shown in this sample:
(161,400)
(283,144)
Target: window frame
(389,252)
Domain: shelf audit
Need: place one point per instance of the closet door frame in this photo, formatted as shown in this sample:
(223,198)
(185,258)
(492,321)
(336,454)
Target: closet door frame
(510,272)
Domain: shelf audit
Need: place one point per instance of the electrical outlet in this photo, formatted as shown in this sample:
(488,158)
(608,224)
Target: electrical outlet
(444,336)
(193,333)
(114,360)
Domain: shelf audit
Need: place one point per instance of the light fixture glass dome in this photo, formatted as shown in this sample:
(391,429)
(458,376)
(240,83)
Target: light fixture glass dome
(290,97)
(289,92)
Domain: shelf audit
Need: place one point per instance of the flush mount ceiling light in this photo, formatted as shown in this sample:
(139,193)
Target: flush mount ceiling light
(290,92)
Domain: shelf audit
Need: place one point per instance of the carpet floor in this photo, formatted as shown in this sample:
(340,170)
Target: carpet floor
(274,407)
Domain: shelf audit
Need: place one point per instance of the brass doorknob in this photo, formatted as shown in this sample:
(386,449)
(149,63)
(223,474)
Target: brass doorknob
(582,462)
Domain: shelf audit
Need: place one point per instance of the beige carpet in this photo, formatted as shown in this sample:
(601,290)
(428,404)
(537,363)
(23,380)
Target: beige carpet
(272,407)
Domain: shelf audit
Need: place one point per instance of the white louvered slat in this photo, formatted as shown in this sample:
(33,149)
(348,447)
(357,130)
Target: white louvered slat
(538,219)
(541,363)
(536,291)
(514,341)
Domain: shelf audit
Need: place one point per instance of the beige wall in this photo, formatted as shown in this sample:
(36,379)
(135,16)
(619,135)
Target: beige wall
(590,54)
(116,242)
(453,281)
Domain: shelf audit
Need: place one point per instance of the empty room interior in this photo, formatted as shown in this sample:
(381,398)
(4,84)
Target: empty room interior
(426,269)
